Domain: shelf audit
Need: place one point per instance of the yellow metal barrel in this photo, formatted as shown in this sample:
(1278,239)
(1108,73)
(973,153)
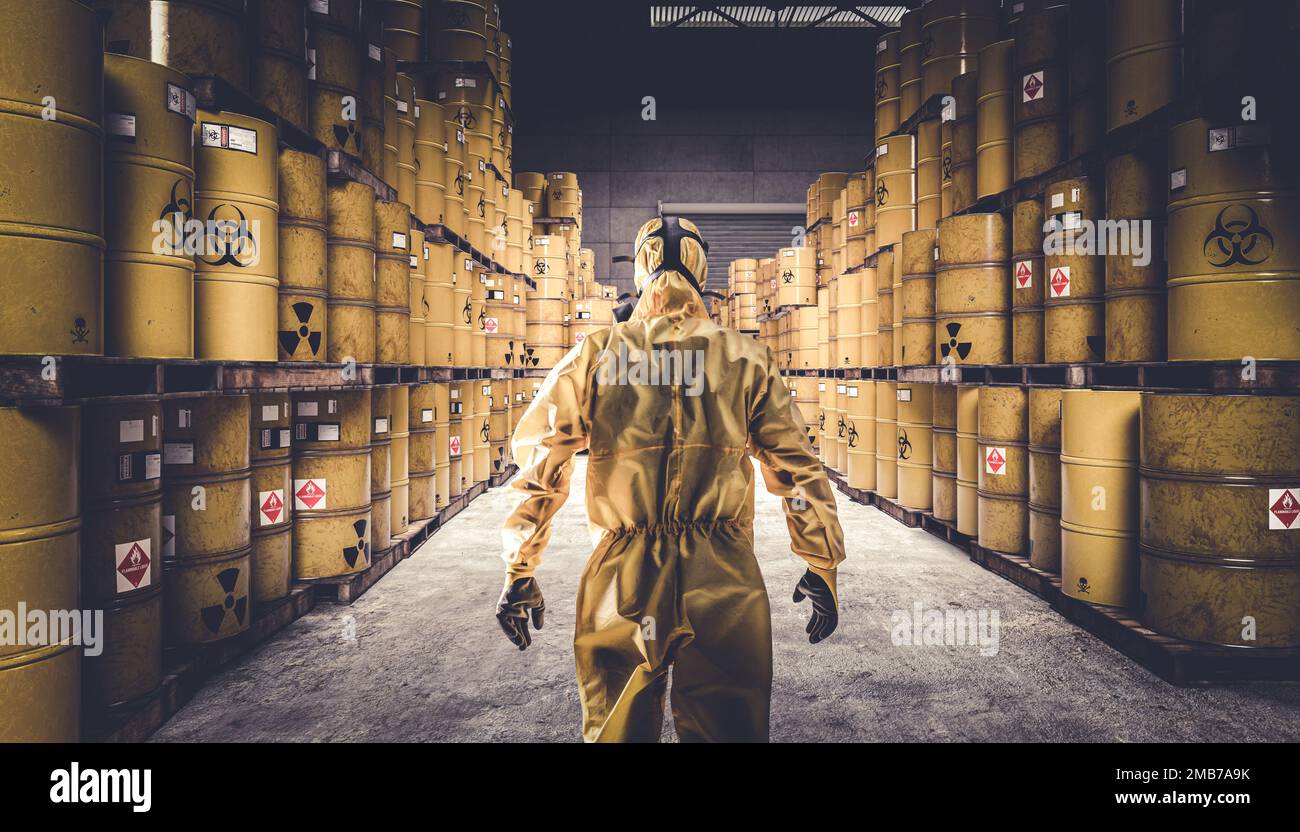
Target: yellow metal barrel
(1003,489)
(1144,58)
(1220,505)
(1045,478)
(431,161)
(455,425)
(207,519)
(1039,94)
(1074,307)
(887,439)
(993,119)
(463,443)
(40,684)
(381,469)
(417,302)
(406,133)
(915,445)
(499,426)
(392,283)
(198,37)
(1135,291)
(972,293)
(895,189)
(968,459)
(423,411)
(959,185)
(842,427)
(1099,496)
(910,50)
(51,215)
(351,272)
(885,301)
(404,28)
(918,297)
(1234,254)
(459,31)
(482,431)
(375,60)
(271,458)
(443,312)
(847,317)
(121,550)
(944,452)
(279,59)
(929,173)
(952,34)
(149,193)
(302,332)
(331,483)
(1027,282)
(1086,61)
(399,516)
(237,274)
(442,445)
(334,60)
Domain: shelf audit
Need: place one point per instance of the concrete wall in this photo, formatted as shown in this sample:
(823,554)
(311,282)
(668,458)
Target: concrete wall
(742,116)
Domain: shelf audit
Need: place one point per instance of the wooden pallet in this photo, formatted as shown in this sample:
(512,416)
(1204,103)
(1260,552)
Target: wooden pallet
(185,670)
(1208,376)
(498,480)
(1177,661)
(1018,570)
(345,589)
(909,517)
(945,530)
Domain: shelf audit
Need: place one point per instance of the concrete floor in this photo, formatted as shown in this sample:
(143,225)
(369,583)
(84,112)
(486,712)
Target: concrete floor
(420,657)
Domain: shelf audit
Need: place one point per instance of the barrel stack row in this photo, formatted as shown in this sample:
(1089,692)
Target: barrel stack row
(184,519)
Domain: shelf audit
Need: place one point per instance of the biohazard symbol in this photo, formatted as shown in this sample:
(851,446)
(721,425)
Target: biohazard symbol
(468,313)
(787,276)
(821,421)
(482,319)
(466,117)
(233,239)
(853,435)
(177,204)
(947,166)
(881,87)
(1083,587)
(904,445)
(962,348)
(882,194)
(293,339)
(483,433)
(79,331)
(541,267)
(1237,238)
(482,206)
(460,184)
(361,551)
(214,617)
(348,134)
(842,427)
(530,240)
(456,18)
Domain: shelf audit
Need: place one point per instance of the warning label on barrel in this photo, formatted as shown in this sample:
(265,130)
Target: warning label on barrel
(1024,274)
(229,137)
(490,325)
(1060,282)
(995,461)
(134,566)
(1032,86)
(310,494)
(579,337)
(853,219)
(1283,508)
(270,507)
(453,446)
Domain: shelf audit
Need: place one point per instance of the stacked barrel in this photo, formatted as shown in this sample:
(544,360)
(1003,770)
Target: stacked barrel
(302,329)
(271,461)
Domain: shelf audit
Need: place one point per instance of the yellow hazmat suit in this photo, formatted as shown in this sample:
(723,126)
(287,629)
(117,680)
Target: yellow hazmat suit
(673,581)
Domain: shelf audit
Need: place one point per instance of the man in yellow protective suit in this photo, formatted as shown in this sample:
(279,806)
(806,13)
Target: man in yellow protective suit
(670,407)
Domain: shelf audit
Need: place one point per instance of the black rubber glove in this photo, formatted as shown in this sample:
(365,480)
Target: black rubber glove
(825,615)
(518,597)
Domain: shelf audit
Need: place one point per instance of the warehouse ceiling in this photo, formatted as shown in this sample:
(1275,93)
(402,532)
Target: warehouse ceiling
(788,16)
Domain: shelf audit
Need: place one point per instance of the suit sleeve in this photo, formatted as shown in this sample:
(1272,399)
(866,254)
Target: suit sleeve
(549,433)
(791,471)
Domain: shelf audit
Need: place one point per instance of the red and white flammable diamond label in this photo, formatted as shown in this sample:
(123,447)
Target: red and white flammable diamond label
(579,337)
(1060,282)
(1033,86)
(1283,508)
(453,446)
(133,565)
(995,461)
(271,504)
(853,219)
(1024,275)
(309,494)
(490,325)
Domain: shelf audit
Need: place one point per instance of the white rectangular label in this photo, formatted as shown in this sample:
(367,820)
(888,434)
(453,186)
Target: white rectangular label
(1058,200)
(308,408)
(426,415)
(121,124)
(182,102)
(152,466)
(229,137)
(1178,179)
(183,418)
(883,150)
(376,53)
(130,430)
(319,6)
(327,433)
(178,453)
(381,425)
(903,394)
(270,413)
(399,240)
(403,107)
(853,392)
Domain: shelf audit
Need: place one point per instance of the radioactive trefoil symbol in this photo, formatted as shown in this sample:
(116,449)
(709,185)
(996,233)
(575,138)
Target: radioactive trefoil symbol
(292,339)
(962,348)
(1237,238)
(904,445)
(214,617)
(361,551)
